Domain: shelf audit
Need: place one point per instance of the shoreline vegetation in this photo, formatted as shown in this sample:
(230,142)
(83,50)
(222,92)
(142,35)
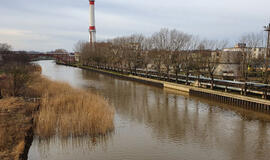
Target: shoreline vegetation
(66,111)
(34,105)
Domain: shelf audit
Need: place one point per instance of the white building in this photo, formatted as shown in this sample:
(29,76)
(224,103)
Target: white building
(77,56)
(257,52)
(253,52)
(231,58)
(229,64)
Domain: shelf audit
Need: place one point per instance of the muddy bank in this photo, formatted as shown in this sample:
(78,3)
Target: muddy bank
(16,123)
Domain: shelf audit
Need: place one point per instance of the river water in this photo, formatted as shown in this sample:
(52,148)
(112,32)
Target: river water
(156,124)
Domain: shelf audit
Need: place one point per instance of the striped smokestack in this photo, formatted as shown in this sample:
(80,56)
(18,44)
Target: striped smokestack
(92,27)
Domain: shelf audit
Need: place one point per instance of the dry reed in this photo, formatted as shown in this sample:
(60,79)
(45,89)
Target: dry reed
(70,112)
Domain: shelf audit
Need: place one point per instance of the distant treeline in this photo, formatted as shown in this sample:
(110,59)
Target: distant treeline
(170,51)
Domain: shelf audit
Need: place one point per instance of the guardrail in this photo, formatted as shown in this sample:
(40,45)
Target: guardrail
(248,88)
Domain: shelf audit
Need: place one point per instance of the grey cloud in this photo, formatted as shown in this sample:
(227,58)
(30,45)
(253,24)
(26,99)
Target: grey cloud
(50,24)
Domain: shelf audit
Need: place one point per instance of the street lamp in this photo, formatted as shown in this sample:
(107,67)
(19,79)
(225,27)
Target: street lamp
(267,28)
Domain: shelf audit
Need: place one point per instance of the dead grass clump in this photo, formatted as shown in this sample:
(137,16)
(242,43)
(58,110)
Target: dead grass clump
(15,105)
(15,123)
(9,103)
(19,149)
(2,137)
(71,112)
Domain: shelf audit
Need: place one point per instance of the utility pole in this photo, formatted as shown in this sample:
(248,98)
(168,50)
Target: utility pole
(244,67)
(267,29)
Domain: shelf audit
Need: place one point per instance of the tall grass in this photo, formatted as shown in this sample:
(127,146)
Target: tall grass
(70,112)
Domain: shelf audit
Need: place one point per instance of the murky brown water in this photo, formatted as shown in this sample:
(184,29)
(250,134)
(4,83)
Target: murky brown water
(156,124)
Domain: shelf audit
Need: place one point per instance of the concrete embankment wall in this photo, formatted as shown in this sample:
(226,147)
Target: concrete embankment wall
(126,77)
(157,83)
(233,99)
(230,98)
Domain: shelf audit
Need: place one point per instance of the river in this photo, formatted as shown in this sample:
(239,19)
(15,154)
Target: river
(156,124)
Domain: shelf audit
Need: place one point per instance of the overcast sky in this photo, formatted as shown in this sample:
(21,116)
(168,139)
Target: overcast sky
(44,25)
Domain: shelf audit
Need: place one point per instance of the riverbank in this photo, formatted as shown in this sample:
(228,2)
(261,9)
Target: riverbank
(17,109)
(35,105)
(61,111)
(252,103)
(16,123)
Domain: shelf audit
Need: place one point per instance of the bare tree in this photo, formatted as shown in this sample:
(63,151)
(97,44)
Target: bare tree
(170,42)
(186,62)
(61,51)
(19,74)
(5,47)
(136,49)
(210,61)
(160,39)
(86,54)
(146,60)
(251,40)
(78,47)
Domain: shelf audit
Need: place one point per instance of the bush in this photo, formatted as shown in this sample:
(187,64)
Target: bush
(15,78)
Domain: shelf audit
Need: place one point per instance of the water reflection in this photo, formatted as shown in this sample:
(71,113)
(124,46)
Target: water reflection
(42,148)
(152,123)
(179,119)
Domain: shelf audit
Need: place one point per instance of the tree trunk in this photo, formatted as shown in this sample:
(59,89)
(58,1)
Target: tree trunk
(1,94)
(199,80)
(265,93)
(159,72)
(168,73)
(176,75)
(187,74)
(130,69)
(245,88)
(146,72)
(212,81)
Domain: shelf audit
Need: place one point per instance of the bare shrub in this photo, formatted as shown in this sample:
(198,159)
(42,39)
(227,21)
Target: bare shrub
(5,47)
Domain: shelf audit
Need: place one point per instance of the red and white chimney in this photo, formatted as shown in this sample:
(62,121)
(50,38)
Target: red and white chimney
(92,27)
